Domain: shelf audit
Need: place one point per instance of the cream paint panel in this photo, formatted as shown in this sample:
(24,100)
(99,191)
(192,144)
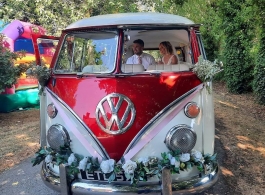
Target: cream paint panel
(131,18)
(76,145)
(43,115)
(157,146)
(208,122)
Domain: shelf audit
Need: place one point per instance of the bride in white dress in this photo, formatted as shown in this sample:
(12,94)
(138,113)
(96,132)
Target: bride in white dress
(166,51)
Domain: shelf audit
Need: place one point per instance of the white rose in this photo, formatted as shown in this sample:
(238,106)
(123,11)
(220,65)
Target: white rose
(184,157)
(177,163)
(88,166)
(48,158)
(196,155)
(129,167)
(71,159)
(144,160)
(107,166)
(172,161)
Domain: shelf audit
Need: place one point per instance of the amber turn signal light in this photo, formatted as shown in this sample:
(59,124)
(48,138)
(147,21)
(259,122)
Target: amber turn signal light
(192,110)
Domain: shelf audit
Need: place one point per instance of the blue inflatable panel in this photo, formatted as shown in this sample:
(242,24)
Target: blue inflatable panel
(27,45)
(24,44)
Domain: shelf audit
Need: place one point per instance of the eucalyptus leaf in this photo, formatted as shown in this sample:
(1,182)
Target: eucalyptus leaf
(111,177)
(146,169)
(128,176)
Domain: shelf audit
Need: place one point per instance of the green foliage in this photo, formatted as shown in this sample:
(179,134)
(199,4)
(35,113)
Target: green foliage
(40,156)
(42,73)
(56,15)
(238,29)
(9,72)
(139,170)
(51,14)
(259,70)
(206,69)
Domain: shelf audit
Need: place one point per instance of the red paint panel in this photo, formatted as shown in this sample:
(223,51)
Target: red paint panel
(149,94)
(194,45)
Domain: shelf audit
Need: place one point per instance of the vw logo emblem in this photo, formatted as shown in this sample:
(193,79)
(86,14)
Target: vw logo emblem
(115,114)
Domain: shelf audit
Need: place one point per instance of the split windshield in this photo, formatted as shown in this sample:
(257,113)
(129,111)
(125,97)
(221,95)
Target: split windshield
(88,52)
(95,51)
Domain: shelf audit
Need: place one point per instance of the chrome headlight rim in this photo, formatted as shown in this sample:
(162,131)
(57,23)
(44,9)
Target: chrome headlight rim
(186,108)
(171,133)
(52,110)
(65,138)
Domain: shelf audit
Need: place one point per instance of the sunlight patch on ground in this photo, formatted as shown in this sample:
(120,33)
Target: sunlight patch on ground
(242,138)
(227,104)
(253,148)
(10,163)
(32,144)
(20,136)
(217,137)
(4,182)
(15,183)
(226,172)
(9,154)
(227,148)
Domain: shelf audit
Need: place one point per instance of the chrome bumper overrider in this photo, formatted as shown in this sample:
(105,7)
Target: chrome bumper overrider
(84,187)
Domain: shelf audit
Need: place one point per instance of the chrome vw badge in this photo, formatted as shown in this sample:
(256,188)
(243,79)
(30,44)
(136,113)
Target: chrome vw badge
(115,114)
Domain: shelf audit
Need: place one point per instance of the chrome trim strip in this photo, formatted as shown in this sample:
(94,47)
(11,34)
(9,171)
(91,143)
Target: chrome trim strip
(81,122)
(157,117)
(194,185)
(43,106)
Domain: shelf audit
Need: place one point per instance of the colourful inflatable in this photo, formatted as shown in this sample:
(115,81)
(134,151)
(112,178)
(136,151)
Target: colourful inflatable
(18,37)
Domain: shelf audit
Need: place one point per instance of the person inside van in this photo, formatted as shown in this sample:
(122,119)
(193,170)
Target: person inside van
(139,56)
(166,50)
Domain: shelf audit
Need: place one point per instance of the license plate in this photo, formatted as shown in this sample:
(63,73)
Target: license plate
(98,176)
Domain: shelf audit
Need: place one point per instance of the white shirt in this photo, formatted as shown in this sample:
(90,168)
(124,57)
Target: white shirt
(147,60)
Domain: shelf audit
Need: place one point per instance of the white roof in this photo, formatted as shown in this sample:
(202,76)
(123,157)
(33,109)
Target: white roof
(131,19)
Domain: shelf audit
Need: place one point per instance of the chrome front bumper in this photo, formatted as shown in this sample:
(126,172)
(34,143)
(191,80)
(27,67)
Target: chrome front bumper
(83,187)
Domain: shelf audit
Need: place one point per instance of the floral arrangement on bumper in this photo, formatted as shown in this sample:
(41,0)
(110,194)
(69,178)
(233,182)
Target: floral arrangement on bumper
(42,73)
(134,171)
(206,69)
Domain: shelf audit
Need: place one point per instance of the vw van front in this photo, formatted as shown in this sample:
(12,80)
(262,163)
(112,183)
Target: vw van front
(112,127)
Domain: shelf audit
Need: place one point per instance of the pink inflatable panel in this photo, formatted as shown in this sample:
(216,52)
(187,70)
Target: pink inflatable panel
(9,90)
(13,30)
(30,29)
(9,43)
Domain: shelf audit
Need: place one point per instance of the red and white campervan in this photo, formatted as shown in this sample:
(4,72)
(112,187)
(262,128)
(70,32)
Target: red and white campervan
(108,127)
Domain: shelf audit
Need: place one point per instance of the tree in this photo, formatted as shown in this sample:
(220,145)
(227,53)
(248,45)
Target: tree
(259,71)
(9,72)
(56,15)
(238,31)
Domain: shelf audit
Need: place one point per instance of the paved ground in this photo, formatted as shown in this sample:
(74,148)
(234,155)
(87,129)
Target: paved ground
(23,180)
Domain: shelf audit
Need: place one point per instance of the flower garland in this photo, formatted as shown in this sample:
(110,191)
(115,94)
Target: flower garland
(206,69)
(42,73)
(135,171)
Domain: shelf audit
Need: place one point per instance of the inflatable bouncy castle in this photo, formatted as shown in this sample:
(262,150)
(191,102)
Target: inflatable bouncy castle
(17,38)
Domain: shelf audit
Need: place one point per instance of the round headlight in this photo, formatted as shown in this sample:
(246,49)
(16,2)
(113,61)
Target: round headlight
(182,138)
(57,136)
(192,110)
